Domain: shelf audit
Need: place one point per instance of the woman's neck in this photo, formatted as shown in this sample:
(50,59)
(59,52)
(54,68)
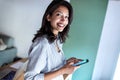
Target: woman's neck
(55,33)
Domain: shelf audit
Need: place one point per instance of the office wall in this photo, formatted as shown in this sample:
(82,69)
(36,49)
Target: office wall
(85,34)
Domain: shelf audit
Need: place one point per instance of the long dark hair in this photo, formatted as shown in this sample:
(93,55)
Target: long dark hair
(46,27)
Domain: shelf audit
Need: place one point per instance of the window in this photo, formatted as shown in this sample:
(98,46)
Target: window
(117,70)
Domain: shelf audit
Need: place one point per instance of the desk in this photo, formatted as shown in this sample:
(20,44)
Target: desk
(6,69)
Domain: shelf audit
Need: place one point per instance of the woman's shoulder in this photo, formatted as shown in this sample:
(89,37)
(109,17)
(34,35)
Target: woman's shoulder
(41,40)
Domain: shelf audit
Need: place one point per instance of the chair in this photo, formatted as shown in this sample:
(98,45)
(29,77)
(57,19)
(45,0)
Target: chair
(8,51)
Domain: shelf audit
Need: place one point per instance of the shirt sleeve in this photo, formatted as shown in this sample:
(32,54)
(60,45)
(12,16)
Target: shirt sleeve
(37,62)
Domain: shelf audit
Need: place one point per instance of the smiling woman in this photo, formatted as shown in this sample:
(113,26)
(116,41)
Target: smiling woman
(59,19)
(46,57)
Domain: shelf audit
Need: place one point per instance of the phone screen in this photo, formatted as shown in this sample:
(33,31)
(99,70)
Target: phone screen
(81,62)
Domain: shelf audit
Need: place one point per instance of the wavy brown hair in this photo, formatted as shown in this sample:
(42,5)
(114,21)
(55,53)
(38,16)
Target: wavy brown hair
(46,28)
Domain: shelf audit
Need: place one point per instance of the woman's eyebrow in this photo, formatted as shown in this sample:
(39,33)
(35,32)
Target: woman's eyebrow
(60,12)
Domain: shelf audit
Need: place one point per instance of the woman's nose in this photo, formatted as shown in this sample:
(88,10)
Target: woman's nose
(62,18)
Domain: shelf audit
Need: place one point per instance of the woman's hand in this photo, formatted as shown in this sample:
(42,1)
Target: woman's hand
(73,60)
(68,68)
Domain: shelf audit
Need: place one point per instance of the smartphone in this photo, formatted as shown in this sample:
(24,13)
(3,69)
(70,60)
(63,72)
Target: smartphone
(81,62)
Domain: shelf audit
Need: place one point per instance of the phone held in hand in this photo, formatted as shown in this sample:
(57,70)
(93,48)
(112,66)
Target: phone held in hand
(83,61)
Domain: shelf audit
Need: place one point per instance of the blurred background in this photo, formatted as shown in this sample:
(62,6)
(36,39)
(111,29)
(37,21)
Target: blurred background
(94,32)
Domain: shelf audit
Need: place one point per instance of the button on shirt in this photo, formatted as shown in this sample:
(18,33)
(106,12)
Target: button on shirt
(43,58)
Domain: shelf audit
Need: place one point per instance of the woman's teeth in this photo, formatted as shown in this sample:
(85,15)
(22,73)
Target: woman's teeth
(60,25)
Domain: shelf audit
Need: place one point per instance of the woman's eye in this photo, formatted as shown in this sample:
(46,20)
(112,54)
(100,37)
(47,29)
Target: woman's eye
(58,14)
(66,17)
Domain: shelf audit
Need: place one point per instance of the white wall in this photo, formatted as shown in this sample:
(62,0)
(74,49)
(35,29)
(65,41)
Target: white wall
(21,19)
(109,46)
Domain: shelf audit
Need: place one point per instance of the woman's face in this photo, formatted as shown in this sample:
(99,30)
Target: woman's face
(59,19)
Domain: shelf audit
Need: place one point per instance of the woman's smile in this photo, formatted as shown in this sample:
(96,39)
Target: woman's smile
(60,26)
(59,19)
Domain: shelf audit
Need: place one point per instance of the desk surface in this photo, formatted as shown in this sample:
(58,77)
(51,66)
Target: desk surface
(6,69)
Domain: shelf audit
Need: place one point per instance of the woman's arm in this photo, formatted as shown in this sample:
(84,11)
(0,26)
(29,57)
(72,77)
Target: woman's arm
(37,57)
(65,70)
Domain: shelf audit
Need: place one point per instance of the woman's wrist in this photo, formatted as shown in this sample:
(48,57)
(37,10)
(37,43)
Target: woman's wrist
(61,71)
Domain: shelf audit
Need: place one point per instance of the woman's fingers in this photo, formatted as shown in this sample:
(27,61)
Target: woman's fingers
(76,67)
(75,60)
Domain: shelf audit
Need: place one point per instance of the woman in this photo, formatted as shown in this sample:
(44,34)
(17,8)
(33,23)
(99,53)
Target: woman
(46,57)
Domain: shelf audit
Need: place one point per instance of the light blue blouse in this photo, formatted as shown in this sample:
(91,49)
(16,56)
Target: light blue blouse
(43,58)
